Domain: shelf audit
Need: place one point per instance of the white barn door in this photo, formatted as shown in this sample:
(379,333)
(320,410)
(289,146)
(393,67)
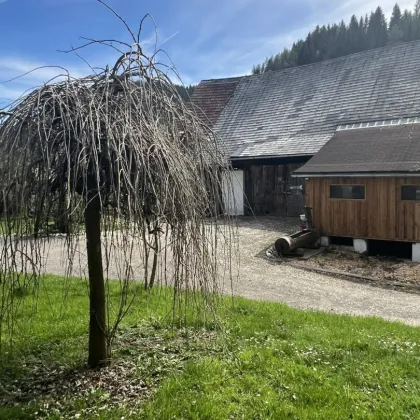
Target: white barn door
(233,192)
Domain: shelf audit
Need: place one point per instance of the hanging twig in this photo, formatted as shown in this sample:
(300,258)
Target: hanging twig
(124,138)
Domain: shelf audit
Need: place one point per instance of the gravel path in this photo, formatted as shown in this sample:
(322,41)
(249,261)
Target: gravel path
(260,279)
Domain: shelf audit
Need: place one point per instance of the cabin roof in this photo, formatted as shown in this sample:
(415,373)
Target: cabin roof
(386,149)
(296,111)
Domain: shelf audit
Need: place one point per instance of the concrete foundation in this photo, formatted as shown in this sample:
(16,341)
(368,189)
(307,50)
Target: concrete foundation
(416,253)
(360,245)
(325,241)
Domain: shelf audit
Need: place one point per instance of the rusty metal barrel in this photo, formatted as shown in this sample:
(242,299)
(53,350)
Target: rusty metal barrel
(291,243)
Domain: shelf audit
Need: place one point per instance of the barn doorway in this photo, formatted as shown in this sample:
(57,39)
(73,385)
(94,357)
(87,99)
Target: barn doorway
(233,192)
(271,190)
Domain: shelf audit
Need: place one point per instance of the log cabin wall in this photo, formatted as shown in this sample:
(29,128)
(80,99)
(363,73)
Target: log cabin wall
(269,190)
(381,215)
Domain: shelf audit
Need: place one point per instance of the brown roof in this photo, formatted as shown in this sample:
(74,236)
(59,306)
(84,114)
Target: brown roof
(368,150)
(211,96)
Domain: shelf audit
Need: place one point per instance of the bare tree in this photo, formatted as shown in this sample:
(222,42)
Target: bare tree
(118,155)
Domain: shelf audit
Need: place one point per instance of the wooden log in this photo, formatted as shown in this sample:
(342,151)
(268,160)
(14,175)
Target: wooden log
(288,244)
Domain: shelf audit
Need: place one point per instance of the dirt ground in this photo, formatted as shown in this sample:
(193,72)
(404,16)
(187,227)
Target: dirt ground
(384,269)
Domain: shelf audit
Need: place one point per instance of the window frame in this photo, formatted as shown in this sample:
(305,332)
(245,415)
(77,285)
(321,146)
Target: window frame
(348,185)
(417,186)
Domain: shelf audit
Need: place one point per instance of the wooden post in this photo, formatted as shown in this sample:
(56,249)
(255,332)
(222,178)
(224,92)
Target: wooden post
(308,217)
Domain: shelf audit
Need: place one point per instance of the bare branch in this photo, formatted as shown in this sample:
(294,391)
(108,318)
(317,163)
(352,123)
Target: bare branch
(123,143)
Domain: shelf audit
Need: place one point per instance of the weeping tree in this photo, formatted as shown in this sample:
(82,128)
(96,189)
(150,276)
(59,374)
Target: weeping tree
(130,170)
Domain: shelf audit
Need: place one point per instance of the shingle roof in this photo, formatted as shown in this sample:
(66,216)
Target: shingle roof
(211,96)
(296,111)
(366,150)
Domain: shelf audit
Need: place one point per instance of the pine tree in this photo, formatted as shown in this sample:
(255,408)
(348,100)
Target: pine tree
(415,23)
(366,25)
(307,52)
(316,45)
(407,23)
(341,41)
(269,65)
(395,32)
(396,16)
(354,36)
(323,43)
(417,9)
(256,69)
(377,32)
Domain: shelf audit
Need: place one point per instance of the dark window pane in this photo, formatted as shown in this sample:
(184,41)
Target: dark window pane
(358,192)
(410,192)
(348,192)
(335,191)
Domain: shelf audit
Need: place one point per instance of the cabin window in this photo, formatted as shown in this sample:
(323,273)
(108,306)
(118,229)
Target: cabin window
(347,192)
(410,192)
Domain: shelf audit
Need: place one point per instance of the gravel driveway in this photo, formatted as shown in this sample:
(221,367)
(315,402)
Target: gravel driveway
(263,280)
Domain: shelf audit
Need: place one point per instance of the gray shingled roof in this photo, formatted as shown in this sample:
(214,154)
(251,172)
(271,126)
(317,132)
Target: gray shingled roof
(367,150)
(296,111)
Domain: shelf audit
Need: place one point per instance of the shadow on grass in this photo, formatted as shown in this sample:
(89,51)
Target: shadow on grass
(142,357)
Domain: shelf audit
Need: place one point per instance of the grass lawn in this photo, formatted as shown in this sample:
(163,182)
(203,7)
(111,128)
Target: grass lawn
(260,361)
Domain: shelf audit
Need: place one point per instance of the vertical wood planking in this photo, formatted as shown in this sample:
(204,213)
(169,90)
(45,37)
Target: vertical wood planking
(417,221)
(400,217)
(265,187)
(392,188)
(382,215)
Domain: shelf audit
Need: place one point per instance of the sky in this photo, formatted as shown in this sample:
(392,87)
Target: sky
(204,38)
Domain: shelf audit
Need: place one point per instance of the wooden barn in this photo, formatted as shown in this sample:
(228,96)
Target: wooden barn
(364,184)
(271,124)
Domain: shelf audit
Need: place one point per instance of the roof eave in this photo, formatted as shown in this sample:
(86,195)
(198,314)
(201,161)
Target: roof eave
(303,155)
(356,174)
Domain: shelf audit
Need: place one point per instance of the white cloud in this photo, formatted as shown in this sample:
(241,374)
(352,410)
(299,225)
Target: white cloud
(11,67)
(19,75)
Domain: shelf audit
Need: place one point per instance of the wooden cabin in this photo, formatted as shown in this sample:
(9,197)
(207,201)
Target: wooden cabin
(271,124)
(364,184)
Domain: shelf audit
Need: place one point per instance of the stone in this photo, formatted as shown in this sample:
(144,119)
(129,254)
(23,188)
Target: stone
(325,241)
(416,253)
(360,246)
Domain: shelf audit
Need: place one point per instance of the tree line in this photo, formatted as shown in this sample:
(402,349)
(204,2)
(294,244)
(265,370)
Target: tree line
(337,40)
(185,91)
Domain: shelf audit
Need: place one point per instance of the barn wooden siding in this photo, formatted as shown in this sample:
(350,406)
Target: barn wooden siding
(381,215)
(268,190)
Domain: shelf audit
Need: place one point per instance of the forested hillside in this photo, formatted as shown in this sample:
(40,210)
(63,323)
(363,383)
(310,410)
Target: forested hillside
(341,39)
(185,92)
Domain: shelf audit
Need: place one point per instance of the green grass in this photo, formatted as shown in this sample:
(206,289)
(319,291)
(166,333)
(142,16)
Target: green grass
(262,361)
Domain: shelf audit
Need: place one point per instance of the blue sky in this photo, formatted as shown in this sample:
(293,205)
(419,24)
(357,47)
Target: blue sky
(204,38)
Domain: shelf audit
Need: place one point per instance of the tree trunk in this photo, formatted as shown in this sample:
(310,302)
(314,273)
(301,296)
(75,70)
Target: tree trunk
(62,219)
(98,352)
(155,260)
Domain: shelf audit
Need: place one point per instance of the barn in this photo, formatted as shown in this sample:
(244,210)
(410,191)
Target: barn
(272,124)
(364,184)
